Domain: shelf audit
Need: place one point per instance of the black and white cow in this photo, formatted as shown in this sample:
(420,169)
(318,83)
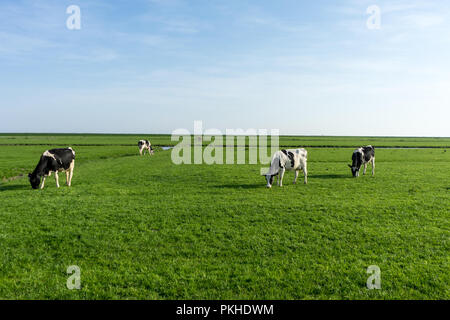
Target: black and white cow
(54,160)
(289,159)
(362,156)
(145,145)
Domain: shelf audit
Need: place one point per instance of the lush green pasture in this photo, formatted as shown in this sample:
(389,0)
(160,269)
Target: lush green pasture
(16,161)
(82,139)
(165,140)
(142,227)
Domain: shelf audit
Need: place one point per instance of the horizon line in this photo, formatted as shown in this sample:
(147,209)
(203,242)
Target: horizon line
(168,134)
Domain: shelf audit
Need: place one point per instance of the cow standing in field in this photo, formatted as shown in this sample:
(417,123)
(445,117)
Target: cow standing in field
(362,156)
(145,145)
(54,160)
(290,159)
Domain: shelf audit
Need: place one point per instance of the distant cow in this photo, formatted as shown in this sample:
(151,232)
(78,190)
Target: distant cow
(54,160)
(362,156)
(145,145)
(290,159)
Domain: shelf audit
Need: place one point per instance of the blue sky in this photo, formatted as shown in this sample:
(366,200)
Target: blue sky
(152,66)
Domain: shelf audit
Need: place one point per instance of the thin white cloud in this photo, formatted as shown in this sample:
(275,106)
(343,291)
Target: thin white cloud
(95,55)
(423,20)
(272,23)
(11,43)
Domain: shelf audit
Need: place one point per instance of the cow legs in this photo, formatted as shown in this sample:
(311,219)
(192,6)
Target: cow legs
(43,182)
(67,177)
(280,179)
(72,165)
(305,171)
(373,166)
(140,151)
(365,168)
(57,179)
(296,176)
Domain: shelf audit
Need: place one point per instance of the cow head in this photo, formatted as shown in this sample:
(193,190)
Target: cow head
(357,161)
(269,179)
(355,170)
(34,180)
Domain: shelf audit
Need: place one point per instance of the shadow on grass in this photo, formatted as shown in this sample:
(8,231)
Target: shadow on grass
(329,176)
(13,187)
(242,186)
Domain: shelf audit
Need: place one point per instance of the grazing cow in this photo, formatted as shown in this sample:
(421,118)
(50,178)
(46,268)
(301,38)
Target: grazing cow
(54,160)
(362,156)
(290,159)
(145,145)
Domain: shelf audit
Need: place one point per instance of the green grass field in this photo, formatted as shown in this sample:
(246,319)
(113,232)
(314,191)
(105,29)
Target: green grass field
(164,140)
(144,228)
